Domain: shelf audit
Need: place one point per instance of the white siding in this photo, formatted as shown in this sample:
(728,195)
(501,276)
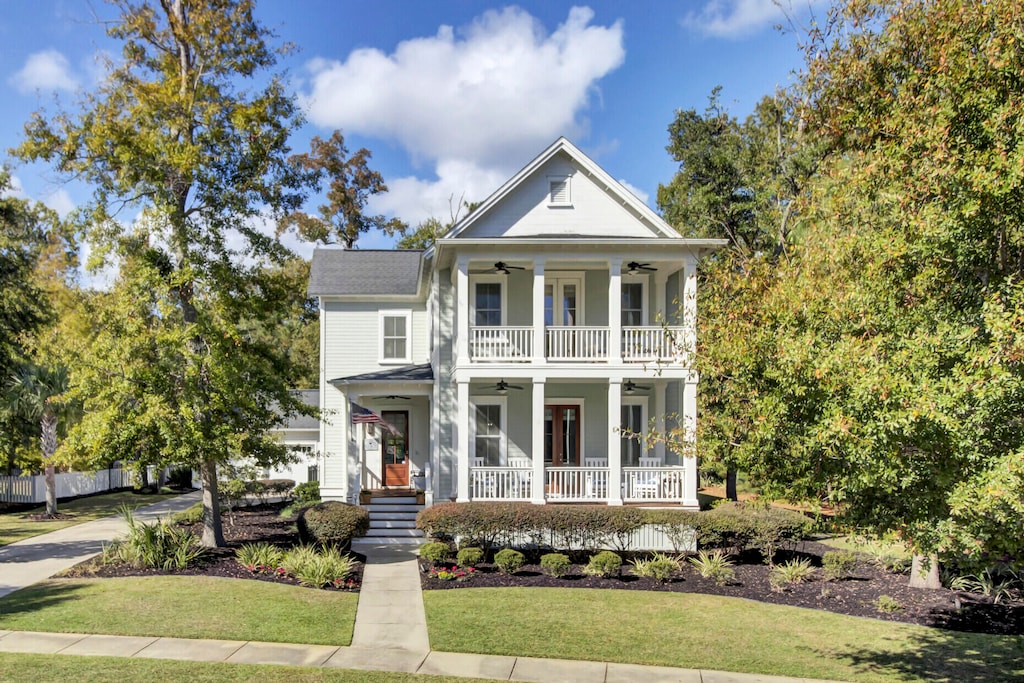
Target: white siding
(352,336)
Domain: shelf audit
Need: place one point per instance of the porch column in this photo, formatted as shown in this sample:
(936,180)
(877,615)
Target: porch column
(689,455)
(615,312)
(462,440)
(539,353)
(688,301)
(537,442)
(660,307)
(462,311)
(659,419)
(614,441)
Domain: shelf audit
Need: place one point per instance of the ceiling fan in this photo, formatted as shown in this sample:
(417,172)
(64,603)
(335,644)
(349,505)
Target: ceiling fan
(502,387)
(629,387)
(394,397)
(502,267)
(633,267)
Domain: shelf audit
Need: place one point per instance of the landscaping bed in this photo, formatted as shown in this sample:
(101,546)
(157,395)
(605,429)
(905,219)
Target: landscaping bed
(870,591)
(257,523)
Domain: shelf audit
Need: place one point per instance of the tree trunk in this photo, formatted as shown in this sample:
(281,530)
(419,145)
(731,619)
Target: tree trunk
(213,534)
(730,485)
(48,428)
(924,572)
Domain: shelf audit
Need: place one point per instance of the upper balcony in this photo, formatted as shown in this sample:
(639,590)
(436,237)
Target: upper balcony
(515,344)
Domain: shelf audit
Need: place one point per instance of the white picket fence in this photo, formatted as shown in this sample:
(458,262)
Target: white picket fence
(32,489)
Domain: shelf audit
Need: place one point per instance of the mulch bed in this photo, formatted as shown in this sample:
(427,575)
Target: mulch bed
(250,525)
(855,596)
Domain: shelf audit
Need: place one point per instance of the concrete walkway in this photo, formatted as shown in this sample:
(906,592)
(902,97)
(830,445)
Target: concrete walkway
(390,631)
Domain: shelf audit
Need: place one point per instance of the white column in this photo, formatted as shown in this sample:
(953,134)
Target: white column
(539,356)
(688,300)
(537,442)
(689,420)
(659,419)
(659,300)
(344,418)
(462,440)
(615,311)
(614,442)
(462,311)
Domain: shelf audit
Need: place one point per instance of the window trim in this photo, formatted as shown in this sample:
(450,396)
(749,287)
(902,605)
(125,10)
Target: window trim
(474,280)
(644,282)
(556,279)
(641,401)
(502,403)
(567,179)
(397,313)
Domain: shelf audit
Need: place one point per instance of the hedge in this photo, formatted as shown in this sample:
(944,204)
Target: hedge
(733,526)
(333,523)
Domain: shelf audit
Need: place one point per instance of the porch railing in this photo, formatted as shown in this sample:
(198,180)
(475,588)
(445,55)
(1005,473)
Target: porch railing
(649,344)
(500,483)
(577,343)
(578,484)
(501,343)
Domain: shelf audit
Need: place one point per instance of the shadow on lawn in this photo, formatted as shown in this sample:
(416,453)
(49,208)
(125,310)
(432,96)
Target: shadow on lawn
(949,657)
(36,598)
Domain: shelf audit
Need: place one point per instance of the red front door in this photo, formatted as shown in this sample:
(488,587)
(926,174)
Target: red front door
(396,448)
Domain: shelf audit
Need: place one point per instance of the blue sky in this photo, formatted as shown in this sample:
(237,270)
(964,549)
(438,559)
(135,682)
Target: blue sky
(453,96)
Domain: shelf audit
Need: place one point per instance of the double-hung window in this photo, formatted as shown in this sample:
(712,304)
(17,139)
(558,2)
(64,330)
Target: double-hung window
(395,328)
(488,435)
(488,301)
(632,304)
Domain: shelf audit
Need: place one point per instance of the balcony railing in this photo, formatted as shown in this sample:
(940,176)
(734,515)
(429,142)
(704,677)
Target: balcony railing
(578,484)
(575,344)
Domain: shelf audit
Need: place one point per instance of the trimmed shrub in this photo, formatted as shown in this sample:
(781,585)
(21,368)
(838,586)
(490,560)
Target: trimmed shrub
(605,564)
(735,527)
(435,553)
(307,494)
(838,564)
(679,526)
(333,523)
(277,487)
(555,564)
(509,561)
(469,557)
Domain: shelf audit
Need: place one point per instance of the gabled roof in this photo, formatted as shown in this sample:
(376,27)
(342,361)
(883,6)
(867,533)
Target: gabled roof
(591,169)
(366,272)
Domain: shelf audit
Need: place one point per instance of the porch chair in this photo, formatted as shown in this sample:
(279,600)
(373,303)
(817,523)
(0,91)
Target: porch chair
(596,482)
(646,485)
(488,486)
(520,480)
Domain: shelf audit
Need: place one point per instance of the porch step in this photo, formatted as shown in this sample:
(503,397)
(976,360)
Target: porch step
(412,542)
(393,520)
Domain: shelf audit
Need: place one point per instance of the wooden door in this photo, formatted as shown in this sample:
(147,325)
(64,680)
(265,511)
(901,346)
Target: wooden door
(562,435)
(396,448)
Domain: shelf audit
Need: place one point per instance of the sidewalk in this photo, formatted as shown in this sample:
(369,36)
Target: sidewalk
(390,631)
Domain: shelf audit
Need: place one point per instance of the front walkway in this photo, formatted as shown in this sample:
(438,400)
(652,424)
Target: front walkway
(390,630)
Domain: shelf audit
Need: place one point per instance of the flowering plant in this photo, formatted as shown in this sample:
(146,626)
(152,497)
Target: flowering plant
(343,584)
(452,573)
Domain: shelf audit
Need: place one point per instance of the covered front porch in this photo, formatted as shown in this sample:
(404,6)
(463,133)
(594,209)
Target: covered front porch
(649,483)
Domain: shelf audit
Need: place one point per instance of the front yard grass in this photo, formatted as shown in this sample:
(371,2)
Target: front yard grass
(14,528)
(183,607)
(46,668)
(710,632)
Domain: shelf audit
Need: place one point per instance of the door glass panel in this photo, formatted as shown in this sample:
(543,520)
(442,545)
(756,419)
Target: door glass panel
(395,446)
(631,447)
(569,305)
(570,429)
(549,305)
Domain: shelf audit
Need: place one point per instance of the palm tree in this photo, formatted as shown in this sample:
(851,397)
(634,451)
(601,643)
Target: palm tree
(37,393)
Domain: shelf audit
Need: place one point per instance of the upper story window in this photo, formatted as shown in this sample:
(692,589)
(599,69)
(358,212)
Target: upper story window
(632,304)
(488,301)
(395,342)
(559,191)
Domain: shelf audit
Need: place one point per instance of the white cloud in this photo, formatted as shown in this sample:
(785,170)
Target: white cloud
(739,18)
(492,92)
(60,201)
(14,188)
(46,70)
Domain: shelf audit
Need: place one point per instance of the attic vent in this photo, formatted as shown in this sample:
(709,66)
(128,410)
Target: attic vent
(559,191)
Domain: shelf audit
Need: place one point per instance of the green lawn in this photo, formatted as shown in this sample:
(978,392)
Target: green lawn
(14,528)
(61,668)
(183,607)
(708,632)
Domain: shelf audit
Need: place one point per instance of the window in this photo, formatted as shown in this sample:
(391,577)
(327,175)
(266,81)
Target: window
(394,343)
(632,304)
(488,304)
(488,436)
(313,473)
(632,421)
(558,191)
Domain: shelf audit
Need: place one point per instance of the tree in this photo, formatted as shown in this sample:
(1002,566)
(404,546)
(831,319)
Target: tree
(190,132)
(428,232)
(740,182)
(39,393)
(896,384)
(351,183)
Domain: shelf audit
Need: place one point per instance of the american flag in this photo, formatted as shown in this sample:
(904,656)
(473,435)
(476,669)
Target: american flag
(365,416)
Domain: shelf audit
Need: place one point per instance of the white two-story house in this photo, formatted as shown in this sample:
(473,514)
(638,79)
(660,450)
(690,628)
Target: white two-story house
(503,363)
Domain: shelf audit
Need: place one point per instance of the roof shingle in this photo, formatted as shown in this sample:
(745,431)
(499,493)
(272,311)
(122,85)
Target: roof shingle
(365,272)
